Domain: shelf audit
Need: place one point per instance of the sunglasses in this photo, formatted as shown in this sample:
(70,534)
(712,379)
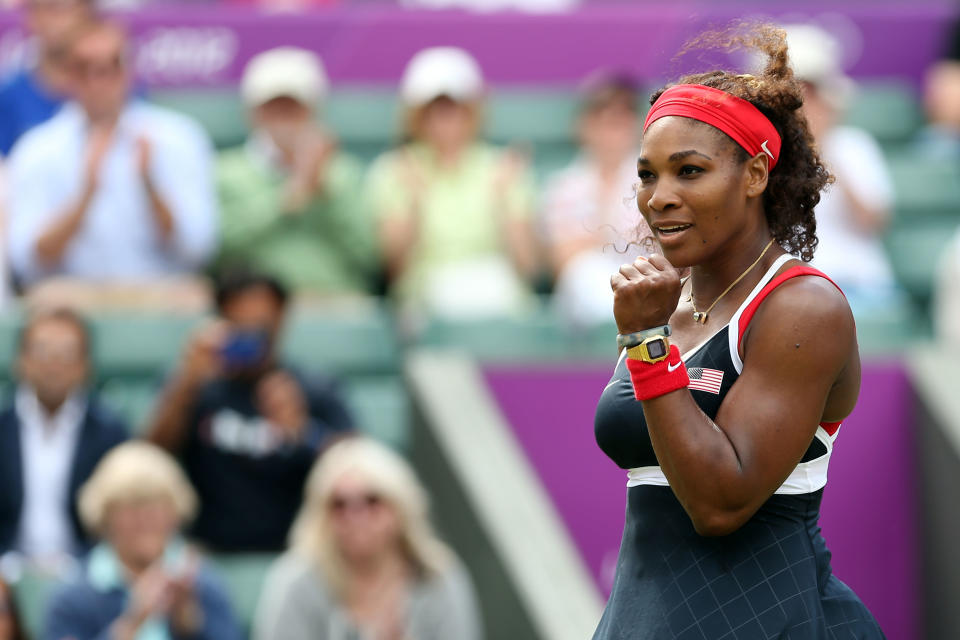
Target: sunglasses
(102,68)
(362,502)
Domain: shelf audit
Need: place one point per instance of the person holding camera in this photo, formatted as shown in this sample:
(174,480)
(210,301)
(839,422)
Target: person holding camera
(246,428)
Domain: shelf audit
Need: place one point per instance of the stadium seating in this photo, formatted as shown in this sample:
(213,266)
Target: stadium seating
(926,216)
(887,109)
(133,352)
(243,576)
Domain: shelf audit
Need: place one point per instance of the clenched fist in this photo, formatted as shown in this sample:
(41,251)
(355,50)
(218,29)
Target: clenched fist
(645,293)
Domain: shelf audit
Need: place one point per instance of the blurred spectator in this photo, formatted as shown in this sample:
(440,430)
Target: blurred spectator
(34,93)
(10,628)
(454,212)
(246,428)
(111,188)
(52,436)
(141,581)
(940,138)
(589,212)
(853,212)
(289,198)
(4,263)
(364,562)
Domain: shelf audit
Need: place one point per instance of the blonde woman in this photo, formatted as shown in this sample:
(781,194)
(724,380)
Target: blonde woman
(452,209)
(364,563)
(140,582)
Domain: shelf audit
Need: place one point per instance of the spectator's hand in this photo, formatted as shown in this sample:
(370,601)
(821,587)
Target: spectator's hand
(282,402)
(144,155)
(186,616)
(201,361)
(314,149)
(514,162)
(413,179)
(389,621)
(151,596)
(98,145)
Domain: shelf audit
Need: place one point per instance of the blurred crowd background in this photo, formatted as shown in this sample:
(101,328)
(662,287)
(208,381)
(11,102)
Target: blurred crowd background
(207,294)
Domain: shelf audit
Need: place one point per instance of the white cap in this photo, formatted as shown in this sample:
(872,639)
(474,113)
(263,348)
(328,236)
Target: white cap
(284,72)
(815,56)
(441,71)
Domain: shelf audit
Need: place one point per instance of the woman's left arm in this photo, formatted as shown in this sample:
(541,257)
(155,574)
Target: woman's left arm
(800,343)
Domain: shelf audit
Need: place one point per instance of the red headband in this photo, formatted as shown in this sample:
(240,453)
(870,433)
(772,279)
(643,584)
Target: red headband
(734,116)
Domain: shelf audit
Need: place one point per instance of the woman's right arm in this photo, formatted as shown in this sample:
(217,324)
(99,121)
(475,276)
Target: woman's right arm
(168,424)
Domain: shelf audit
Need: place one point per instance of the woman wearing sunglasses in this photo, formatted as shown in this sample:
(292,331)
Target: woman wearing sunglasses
(364,563)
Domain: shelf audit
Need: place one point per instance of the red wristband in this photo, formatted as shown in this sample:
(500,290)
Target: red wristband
(659,378)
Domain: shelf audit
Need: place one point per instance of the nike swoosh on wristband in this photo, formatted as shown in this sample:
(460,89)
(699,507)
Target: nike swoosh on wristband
(673,367)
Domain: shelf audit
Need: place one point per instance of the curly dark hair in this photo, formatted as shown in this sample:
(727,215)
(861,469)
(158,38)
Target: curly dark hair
(794,185)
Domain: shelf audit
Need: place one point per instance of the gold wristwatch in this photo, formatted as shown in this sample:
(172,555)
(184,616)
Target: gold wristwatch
(649,345)
(654,349)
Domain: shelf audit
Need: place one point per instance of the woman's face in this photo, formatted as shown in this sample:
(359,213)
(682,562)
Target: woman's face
(139,531)
(693,191)
(364,523)
(610,130)
(447,124)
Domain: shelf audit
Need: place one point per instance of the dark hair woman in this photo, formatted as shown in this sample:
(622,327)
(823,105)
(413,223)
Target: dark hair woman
(733,381)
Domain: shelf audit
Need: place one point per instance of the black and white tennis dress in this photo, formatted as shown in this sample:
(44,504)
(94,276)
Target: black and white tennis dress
(769,579)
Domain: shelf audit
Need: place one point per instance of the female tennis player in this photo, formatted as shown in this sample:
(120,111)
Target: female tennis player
(732,382)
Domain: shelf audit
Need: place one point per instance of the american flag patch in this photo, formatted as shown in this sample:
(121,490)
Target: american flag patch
(708,380)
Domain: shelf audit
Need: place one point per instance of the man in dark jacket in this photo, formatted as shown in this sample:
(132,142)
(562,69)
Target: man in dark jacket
(246,428)
(52,435)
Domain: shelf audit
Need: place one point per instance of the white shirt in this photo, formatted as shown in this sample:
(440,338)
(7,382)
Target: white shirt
(47,447)
(119,239)
(575,205)
(853,258)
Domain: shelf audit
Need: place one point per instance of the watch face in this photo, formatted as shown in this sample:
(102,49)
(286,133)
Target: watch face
(657,348)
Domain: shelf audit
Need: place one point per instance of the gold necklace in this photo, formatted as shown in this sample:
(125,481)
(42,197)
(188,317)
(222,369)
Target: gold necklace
(701,316)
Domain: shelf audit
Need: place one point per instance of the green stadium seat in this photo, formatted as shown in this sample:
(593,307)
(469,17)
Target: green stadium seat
(532,116)
(381,406)
(887,109)
(243,576)
(539,336)
(915,251)
(219,111)
(925,188)
(130,398)
(139,344)
(33,590)
(346,342)
(886,329)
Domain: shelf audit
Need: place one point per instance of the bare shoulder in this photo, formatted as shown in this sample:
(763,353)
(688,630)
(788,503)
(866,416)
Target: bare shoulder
(808,298)
(807,308)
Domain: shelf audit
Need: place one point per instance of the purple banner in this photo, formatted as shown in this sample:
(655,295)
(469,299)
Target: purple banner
(870,511)
(180,46)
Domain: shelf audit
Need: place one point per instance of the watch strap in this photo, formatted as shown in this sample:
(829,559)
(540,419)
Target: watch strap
(629,340)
